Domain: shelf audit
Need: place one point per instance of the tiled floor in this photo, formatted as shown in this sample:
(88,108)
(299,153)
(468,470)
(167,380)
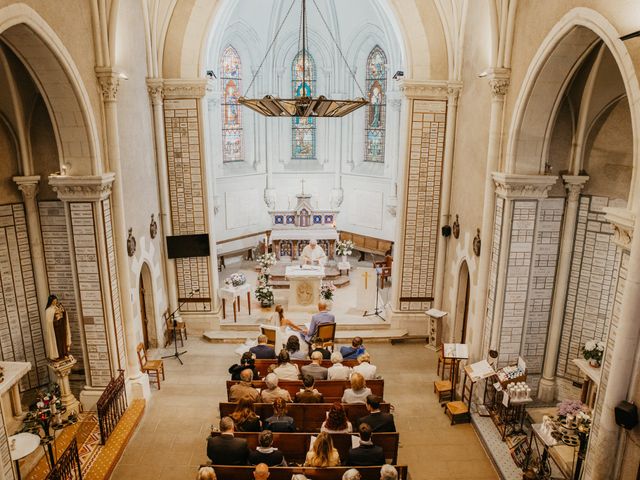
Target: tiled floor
(170,442)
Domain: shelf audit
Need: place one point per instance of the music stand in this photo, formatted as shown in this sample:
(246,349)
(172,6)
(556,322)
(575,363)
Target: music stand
(377,311)
(174,322)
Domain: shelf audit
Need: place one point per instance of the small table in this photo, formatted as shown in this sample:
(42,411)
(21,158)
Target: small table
(233,294)
(346,266)
(25,444)
(591,382)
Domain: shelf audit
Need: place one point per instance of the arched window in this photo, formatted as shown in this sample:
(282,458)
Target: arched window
(303,130)
(376,81)
(231,77)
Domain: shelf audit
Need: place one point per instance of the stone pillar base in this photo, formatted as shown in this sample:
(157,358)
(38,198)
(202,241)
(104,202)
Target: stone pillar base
(547,389)
(138,387)
(89,397)
(62,369)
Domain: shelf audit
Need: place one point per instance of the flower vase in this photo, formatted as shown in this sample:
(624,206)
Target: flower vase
(265,303)
(344,259)
(594,363)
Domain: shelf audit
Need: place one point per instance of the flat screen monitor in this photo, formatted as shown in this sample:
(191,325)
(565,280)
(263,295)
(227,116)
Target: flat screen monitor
(182,246)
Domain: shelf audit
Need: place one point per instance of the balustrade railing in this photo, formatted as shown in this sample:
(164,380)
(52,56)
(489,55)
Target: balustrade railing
(111,406)
(68,465)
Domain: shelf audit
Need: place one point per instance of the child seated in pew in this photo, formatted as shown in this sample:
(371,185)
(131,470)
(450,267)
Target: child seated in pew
(322,453)
(280,422)
(266,453)
(309,394)
(336,421)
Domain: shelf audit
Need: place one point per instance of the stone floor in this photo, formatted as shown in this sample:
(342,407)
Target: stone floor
(170,441)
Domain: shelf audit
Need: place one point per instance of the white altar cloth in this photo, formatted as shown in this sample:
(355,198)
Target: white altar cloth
(304,271)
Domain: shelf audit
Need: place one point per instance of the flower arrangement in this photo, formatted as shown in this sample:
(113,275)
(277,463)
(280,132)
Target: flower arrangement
(266,260)
(236,279)
(264,294)
(344,247)
(46,412)
(593,351)
(326,290)
(571,407)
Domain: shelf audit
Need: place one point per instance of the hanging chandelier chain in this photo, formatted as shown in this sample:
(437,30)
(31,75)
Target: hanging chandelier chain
(338,47)
(275,37)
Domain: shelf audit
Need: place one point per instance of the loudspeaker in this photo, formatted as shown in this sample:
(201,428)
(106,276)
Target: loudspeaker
(446,231)
(626,415)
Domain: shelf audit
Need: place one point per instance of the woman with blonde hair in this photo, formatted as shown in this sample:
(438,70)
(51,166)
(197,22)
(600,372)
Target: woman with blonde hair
(358,392)
(244,416)
(322,453)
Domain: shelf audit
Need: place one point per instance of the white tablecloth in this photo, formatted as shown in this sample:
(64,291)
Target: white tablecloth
(230,293)
(307,271)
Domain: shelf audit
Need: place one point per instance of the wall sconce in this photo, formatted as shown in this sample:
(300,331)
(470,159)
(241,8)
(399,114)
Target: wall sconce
(153,227)
(477,243)
(131,243)
(456,228)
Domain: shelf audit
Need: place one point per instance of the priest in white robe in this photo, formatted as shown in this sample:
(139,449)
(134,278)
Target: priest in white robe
(313,254)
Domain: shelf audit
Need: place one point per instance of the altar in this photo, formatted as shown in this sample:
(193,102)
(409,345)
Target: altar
(304,286)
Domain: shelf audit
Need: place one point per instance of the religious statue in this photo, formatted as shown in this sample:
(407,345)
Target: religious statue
(57,334)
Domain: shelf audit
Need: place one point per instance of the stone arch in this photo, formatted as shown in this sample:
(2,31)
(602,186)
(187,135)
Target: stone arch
(545,80)
(58,79)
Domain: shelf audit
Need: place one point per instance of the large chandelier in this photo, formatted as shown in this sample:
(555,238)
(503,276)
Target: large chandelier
(303,106)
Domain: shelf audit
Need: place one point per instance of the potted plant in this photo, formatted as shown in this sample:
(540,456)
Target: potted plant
(344,248)
(593,351)
(264,294)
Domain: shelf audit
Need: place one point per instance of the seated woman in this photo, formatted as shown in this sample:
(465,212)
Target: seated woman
(244,417)
(337,371)
(358,392)
(336,421)
(246,361)
(285,370)
(272,391)
(280,422)
(266,453)
(322,453)
(286,329)
(293,347)
(365,368)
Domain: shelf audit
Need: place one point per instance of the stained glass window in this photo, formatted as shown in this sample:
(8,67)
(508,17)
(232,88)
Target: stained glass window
(303,130)
(376,81)
(231,77)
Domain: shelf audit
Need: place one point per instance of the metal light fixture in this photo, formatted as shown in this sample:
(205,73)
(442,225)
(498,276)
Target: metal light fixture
(304,106)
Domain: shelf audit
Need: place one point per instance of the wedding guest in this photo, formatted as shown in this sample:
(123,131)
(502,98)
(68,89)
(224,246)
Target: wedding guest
(337,371)
(279,421)
(263,350)
(356,349)
(285,370)
(351,474)
(244,416)
(358,392)
(293,348)
(266,453)
(225,449)
(364,367)
(336,421)
(272,391)
(377,420)
(246,361)
(244,388)
(388,472)
(206,473)
(366,454)
(261,472)
(309,394)
(315,368)
(322,453)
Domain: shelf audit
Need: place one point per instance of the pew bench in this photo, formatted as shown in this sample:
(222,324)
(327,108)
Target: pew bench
(262,365)
(308,416)
(332,390)
(233,472)
(295,446)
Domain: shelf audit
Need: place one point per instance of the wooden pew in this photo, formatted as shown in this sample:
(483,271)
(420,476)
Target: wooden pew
(233,472)
(262,365)
(332,390)
(295,446)
(308,416)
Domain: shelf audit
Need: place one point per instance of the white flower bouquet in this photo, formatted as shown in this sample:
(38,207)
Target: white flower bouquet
(344,247)
(326,291)
(266,260)
(264,294)
(236,279)
(593,351)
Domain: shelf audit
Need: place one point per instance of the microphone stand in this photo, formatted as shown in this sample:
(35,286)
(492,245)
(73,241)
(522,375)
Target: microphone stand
(377,311)
(177,354)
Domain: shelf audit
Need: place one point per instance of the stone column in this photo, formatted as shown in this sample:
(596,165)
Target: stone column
(29,188)
(156,92)
(445,199)
(499,83)
(394,113)
(620,352)
(137,381)
(574,185)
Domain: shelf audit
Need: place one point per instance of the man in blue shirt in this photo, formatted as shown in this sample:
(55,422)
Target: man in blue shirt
(352,352)
(320,318)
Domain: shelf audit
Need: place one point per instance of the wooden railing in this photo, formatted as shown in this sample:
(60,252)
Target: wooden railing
(111,406)
(68,465)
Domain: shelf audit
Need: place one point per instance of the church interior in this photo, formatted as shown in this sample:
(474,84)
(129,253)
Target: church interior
(421,211)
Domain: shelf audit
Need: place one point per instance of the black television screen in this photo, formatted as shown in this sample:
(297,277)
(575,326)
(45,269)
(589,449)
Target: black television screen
(181,246)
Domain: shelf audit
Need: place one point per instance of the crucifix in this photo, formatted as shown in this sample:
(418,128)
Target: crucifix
(302,181)
(366,280)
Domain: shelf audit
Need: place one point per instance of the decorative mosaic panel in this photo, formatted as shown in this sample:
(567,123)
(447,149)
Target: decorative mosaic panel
(423,204)
(517,280)
(493,272)
(86,257)
(588,306)
(113,282)
(55,240)
(20,328)
(186,192)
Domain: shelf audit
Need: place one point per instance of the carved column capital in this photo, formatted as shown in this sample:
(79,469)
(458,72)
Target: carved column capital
(510,185)
(574,185)
(155,87)
(28,186)
(88,188)
(499,80)
(109,82)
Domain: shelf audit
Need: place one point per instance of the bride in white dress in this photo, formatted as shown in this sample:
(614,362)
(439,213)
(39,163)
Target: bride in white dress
(285,328)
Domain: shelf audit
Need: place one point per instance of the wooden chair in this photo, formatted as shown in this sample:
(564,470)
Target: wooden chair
(445,362)
(458,412)
(270,332)
(443,389)
(149,366)
(325,335)
(180,327)
(385,267)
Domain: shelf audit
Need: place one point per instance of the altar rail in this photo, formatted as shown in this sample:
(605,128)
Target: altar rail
(331,390)
(308,416)
(295,446)
(68,465)
(262,365)
(233,472)
(111,406)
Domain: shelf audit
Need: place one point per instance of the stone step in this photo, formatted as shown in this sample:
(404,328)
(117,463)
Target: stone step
(342,336)
(351,326)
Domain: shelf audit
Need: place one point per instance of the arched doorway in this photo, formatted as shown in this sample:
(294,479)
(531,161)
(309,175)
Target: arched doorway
(147,310)
(462,305)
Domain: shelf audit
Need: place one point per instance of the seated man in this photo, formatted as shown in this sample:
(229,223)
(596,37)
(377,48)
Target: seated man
(262,350)
(356,349)
(244,388)
(315,368)
(273,391)
(313,254)
(366,454)
(351,474)
(365,368)
(388,472)
(225,449)
(266,453)
(309,394)
(261,472)
(322,317)
(377,420)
